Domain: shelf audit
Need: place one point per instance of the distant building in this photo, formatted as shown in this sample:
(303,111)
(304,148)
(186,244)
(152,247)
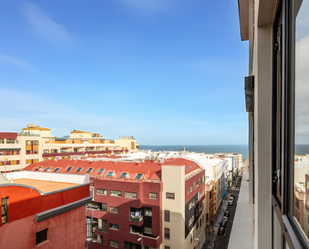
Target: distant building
(158,203)
(34,144)
(41,210)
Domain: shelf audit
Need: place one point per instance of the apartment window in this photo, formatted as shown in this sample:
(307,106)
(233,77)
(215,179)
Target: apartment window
(102,225)
(152,195)
(170,196)
(4,210)
(56,169)
(79,169)
(113,210)
(28,152)
(187,169)
(167,247)
(41,236)
(148,212)
(190,189)
(68,169)
(93,205)
(113,226)
(110,173)
(97,238)
(28,142)
(35,142)
(190,166)
(47,169)
(38,168)
(191,204)
(89,170)
(103,207)
(35,151)
(138,176)
(46,151)
(123,175)
(191,220)
(148,230)
(114,243)
(116,193)
(130,195)
(100,171)
(167,215)
(167,233)
(101,191)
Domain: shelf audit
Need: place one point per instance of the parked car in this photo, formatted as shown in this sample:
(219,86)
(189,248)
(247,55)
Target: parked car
(230,203)
(232,195)
(225,219)
(231,198)
(223,224)
(221,230)
(227,214)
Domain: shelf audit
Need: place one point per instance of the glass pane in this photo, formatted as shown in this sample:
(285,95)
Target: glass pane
(301,160)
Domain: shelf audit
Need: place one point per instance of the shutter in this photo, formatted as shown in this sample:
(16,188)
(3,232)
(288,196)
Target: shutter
(130,195)
(104,225)
(167,215)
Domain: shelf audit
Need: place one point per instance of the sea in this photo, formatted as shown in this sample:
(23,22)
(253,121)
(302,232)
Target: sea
(300,149)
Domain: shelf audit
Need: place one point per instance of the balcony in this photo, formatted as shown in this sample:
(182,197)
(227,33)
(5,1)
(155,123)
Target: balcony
(136,215)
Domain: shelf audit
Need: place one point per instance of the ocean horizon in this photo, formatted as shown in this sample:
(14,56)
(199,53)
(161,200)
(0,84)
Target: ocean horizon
(300,149)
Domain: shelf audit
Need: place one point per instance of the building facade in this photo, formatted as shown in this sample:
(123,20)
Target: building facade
(34,144)
(158,203)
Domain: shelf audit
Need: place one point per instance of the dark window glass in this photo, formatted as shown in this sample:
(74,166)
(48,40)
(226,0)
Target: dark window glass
(41,236)
(167,215)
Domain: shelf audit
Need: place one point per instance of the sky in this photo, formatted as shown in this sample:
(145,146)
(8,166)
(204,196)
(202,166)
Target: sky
(168,72)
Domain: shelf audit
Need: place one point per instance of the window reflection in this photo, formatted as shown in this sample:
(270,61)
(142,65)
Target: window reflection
(301,160)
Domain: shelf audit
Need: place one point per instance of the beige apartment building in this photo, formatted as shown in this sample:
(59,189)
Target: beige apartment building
(35,143)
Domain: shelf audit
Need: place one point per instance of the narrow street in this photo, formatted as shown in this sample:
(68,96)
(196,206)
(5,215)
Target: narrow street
(221,241)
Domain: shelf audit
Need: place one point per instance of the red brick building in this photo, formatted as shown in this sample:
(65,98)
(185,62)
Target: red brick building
(159,204)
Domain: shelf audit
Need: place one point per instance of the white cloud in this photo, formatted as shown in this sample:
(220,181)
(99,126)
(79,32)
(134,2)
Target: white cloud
(11,60)
(44,26)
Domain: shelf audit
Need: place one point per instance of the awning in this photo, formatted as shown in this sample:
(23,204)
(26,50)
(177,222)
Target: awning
(223,194)
(10,148)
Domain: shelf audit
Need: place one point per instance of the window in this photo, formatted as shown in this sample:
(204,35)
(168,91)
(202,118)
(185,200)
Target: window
(138,176)
(167,247)
(148,230)
(103,207)
(191,204)
(35,152)
(114,243)
(68,169)
(35,142)
(152,195)
(170,196)
(4,210)
(56,169)
(89,170)
(92,204)
(167,233)
(100,171)
(187,169)
(28,152)
(102,225)
(113,210)
(46,151)
(41,236)
(79,169)
(190,189)
(97,238)
(167,215)
(194,165)
(130,195)
(110,173)
(47,169)
(115,193)
(113,226)
(101,191)
(123,175)
(28,142)
(190,166)
(194,186)
(191,220)
(148,212)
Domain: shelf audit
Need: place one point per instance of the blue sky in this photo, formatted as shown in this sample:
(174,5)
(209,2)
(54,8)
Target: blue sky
(168,72)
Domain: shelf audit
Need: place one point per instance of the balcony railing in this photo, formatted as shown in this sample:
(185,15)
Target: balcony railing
(136,218)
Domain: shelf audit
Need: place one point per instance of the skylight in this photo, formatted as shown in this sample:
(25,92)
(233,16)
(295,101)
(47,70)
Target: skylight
(79,169)
(69,168)
(100,171)
(187,169)
(190,166)
(138,176)
(56,170)
(89,170)
(123,175)
(110,173)
(47,169)
(194,165)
